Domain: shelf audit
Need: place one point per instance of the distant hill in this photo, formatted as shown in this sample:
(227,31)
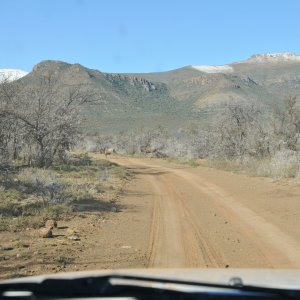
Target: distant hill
(266,78)
(177,97)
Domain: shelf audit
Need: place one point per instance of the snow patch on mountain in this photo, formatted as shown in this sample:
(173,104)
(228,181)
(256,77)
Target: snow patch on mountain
(273,57)
(214,69)
(11,74)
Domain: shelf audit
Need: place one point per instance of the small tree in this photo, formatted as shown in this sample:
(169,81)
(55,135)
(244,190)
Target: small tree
(240,132)
(44,117)
(288,126)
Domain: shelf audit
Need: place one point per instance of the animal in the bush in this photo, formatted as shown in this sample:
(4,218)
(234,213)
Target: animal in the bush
(152,151)
(148,149)
(46,233)
(51,224)
(109,151)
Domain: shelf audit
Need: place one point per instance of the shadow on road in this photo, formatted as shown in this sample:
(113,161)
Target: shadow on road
(138,170)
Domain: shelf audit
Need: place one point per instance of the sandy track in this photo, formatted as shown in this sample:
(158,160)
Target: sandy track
(198,220)
(176,240)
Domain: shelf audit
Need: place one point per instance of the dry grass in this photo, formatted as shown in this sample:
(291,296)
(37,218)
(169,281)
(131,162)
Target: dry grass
(31,195)
(194,163)
(284,164)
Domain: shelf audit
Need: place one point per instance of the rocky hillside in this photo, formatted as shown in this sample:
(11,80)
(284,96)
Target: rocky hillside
(266,78)
(175,97)
(123,101)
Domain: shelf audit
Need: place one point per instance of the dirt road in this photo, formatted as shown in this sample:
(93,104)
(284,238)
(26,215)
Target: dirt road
(169,216)
(202,217)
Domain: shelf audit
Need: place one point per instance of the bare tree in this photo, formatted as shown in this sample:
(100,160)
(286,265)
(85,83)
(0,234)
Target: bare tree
(44,116)
(9,132)
(287,127)
(240,131)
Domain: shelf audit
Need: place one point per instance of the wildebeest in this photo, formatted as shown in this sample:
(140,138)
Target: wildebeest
(109,151)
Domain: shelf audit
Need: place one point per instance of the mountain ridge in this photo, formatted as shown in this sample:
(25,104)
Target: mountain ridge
(176,97)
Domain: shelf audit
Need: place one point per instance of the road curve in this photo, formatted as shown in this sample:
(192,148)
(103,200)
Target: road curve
(198,223)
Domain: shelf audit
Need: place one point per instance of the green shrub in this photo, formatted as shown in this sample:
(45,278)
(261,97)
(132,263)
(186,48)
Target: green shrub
(4,223)
(10,202)
(82,159)
(20,223)
(36,219)
(120,172)
(193,163)
(11,195)
(81,192)
(63,260)
(57,211)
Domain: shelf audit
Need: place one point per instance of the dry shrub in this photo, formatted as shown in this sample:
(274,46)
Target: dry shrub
(43,183)
(284,164)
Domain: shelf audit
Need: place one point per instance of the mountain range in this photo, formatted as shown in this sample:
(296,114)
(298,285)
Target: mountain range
(177,97)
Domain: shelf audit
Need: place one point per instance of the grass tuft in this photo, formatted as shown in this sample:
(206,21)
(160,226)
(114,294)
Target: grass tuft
(63,260)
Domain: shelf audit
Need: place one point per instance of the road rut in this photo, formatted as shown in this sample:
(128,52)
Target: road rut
(197,222)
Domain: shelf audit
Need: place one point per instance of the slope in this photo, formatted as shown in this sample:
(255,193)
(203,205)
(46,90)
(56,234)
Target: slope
(175,98)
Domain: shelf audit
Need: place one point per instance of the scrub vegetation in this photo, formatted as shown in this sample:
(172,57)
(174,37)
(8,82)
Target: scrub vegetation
(32,195)
(242,136)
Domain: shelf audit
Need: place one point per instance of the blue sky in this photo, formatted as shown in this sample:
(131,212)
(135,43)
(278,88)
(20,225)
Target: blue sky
(144,36)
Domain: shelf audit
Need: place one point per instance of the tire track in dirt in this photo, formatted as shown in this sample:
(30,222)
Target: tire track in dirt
(198,250)
(277,247)
(166,239)
(178,237)
(175,240)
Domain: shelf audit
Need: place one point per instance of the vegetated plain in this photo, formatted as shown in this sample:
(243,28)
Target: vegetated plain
(130,212)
